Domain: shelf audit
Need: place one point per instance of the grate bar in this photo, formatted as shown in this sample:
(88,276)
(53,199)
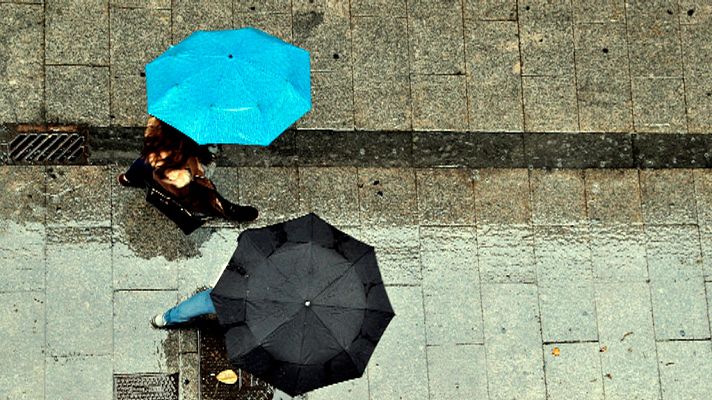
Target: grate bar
(47,146)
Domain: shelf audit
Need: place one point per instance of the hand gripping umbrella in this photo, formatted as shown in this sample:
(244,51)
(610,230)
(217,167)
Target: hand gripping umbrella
(303,304)
(239,86)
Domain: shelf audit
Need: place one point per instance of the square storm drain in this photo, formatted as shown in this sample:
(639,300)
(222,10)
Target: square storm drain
(146,387)
(41,144)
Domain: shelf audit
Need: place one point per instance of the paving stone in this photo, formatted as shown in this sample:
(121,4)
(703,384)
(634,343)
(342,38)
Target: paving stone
(493,76)
(22,250)
(439,102)
(356,389)
(563,254)
(332,193)
(379,7)
(79,196)
(380,47)
(497,10)
(79,292)
(579,150)
(684,370)
(613,196)
(190,16)
(682,150)
(547,48)
(625,325)
(698,98)
(506,254)
(189,375)
(22,72)
(436,45)
(658,105)
(262,6)
(706,246)
(398,368)
(694,12)
(214,249)
(22,353)
(476,150)
(279,25)
(138,35)
(420,8)
(574,372)
(654,39)
(332,101)
(602,11)
(69,39)
(445,196)
(71,377)
(141,3)
(382,104)
(550,104)
(324,28)
(513,342)
(387,196)
(568,313)
(128,100)
(668,196)
(188,341)
(673,252)
(451,285)
(398,253)
(601,47)
(274,191)
(78,94)
(26,183)
(355,148)
(618,253)
(138,347)
(502,196)
(457,371)
(536,11)
(557,197)
(696,50)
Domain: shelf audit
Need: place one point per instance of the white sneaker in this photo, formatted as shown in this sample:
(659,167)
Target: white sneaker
(158,321)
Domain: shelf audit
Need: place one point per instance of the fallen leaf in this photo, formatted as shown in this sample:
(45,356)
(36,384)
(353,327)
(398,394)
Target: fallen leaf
(603,349)
(555,352)
(228,377)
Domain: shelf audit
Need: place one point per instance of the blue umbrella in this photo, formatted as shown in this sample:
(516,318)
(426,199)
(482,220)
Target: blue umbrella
(235,86)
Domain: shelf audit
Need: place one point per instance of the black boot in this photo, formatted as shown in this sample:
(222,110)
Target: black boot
(239,213)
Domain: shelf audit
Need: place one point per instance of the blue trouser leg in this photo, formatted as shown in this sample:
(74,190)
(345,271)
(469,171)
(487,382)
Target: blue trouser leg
(198,304)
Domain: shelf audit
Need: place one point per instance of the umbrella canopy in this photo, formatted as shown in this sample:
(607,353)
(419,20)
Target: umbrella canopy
(303,304)
(239,86)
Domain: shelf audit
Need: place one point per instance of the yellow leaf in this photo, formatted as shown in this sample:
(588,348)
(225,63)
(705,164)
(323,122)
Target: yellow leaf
(555,352)
(228,377)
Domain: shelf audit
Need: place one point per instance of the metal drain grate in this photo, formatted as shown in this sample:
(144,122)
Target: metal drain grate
(146,387)
(47,147)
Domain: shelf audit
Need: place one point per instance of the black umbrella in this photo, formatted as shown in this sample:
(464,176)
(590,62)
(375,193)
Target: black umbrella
(303,304)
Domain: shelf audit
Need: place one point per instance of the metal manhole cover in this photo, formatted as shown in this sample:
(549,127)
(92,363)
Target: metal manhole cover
(146,387)
(213,360)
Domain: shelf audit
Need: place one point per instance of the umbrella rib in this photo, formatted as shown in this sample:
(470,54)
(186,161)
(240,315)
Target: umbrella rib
(331,333)
(353,264)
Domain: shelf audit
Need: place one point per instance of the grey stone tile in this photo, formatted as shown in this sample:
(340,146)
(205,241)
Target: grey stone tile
(574,372)
(398,368)
(706,245)
(451,285)
(502,196)
(262,6)
(382,104)
(654,39)
(658,105)
(601,47)
(141,3)
(625,325)
(204,268)
(568,313)
(445,196)
(387,196)
(380,47)
(190,16)
(79,196)
(497,10)
(274,191)
(22,250)
(697,51)
(599,11)
(457,371)
(698,98)
(668,196)
(420,8)
(475,150)
(356,389)
(563,254)
(613,196)
(188,341)
(398,252)
(354,148)
(579,150)
(436,45)
(537,11)
(28,184)
(493,76)
(618,253)
(134,271)
(189,388)
(137,346)
(128,100)
(332,193)
(22,75)
(513,342)
(546,38)
(70,377)
(22,353)
(694,12)
(506,254)
(550,104)
(279,25)
(79,292)
(672,151)
(69,39)
(685,368)
(439,102)
(78,94)
(138,35)
(673,252)
(324,28)
(557,197)
(395,8)
(332,101)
